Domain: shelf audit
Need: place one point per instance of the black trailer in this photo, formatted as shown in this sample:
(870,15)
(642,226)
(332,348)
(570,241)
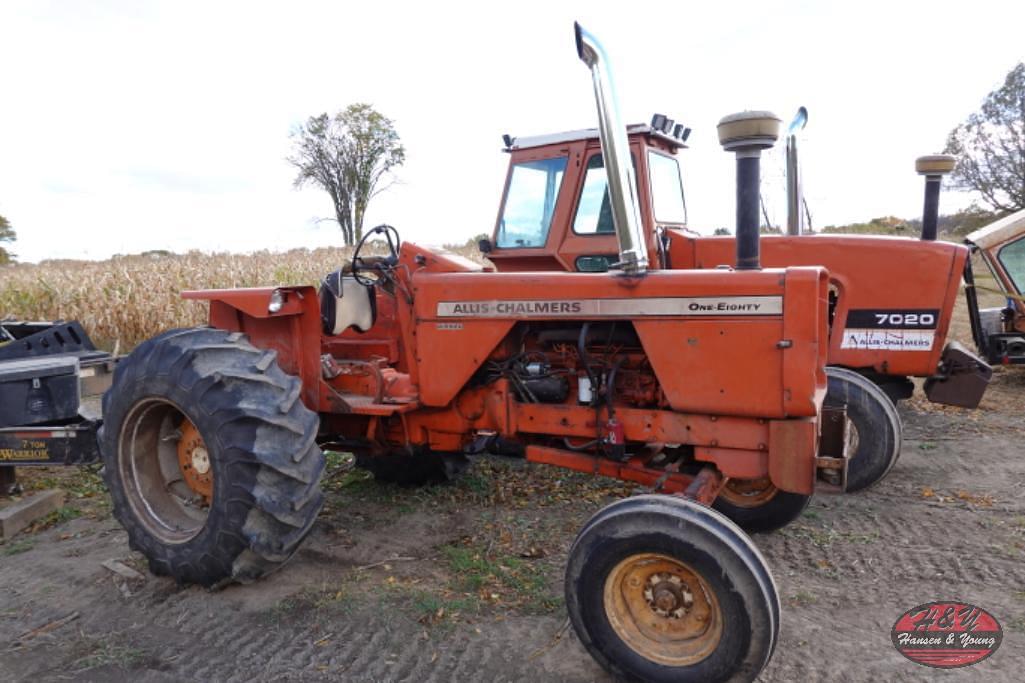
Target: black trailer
(51,378)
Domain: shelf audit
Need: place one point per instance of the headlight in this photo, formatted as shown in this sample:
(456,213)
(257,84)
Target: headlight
(277,300)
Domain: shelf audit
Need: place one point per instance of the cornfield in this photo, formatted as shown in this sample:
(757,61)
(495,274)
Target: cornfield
(127,299)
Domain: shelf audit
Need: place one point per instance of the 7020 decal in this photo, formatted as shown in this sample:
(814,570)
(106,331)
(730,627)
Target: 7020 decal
(893,319)
(905,319)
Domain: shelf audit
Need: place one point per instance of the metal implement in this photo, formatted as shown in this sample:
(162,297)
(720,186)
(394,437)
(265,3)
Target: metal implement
(45,371)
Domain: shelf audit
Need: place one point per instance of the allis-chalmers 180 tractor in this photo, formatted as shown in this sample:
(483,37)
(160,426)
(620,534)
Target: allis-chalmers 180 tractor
(890,300)
(678,379)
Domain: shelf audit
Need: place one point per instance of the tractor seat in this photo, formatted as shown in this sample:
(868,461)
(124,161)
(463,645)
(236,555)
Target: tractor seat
(345,303)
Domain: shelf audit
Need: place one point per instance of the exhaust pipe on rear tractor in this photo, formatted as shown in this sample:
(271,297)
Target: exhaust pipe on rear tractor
(747,134)
(794,173)
(615,148)
(933,167)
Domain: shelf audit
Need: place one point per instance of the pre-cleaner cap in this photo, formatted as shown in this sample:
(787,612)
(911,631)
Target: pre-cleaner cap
(754,129)
(935,164)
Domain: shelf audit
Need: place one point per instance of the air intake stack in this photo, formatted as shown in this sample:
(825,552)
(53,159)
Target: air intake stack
(746,134)
(933,167)
(615,150)
(794,192)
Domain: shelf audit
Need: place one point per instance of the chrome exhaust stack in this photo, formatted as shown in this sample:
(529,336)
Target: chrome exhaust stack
(615,149)
(794,194)
(746,134)
(933,167)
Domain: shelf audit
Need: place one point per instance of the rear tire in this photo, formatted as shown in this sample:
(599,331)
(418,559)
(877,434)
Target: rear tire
(875,422)
(660,588)
(758,507)
(259,494)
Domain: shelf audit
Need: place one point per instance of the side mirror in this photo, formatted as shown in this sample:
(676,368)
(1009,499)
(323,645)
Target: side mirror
(485,246)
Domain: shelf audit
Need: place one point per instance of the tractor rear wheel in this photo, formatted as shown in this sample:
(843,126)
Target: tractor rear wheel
(660,588)
(756,505)
(210,457)
(874,426)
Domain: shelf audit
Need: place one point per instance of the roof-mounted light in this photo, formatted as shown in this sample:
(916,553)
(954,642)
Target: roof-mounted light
(277,301)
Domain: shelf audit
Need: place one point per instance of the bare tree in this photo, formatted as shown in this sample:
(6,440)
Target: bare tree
(348,155)
(990,146)
(6,235)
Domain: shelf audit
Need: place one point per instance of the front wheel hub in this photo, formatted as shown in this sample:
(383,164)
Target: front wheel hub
(668,596)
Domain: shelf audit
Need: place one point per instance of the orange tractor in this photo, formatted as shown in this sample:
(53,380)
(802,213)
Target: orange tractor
(890,299)
(681,380)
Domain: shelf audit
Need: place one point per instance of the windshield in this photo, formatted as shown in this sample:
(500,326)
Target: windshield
(1012,258)
(666,189)
(530,202)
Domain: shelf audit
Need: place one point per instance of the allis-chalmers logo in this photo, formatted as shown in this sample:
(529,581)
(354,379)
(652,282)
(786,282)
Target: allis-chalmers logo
(946,635)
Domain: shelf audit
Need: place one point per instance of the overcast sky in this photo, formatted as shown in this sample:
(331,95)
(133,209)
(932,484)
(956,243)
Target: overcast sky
(133,125)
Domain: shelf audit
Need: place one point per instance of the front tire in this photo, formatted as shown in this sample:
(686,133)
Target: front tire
(874,423)
(210,457)
(661,589)
(758,506)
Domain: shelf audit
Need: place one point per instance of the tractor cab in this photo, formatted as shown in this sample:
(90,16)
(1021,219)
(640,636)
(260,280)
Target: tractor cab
(555,212)
(1000,332)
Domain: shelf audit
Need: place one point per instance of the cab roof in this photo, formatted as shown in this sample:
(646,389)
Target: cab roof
(531,141)
(999,231)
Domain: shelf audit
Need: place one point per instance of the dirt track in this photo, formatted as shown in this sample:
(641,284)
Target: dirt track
(463,582)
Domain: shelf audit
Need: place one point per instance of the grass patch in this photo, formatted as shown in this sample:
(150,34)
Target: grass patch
(500,578)
(802,599)
(15,547)
(58,516)
(76,482)
(103,653)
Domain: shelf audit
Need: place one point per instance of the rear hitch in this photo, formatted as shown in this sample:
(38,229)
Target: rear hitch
(831,464)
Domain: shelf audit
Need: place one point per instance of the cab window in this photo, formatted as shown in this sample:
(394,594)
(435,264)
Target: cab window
(1012,258)
(666,189)
(530,203)
(594,212)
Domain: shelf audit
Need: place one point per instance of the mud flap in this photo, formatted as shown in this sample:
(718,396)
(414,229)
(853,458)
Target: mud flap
(961,380)
(792,451)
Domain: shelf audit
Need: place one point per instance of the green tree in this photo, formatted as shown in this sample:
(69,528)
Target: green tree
(348,155)
(990,146)
(6,235)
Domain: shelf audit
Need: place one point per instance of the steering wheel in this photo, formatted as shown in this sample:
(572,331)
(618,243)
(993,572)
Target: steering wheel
(361,263)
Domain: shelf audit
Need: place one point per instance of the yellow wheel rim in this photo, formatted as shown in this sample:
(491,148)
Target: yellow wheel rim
(748,493)
(663,609)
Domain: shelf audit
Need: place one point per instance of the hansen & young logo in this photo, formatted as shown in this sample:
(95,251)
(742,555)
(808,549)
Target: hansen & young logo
(946,635)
